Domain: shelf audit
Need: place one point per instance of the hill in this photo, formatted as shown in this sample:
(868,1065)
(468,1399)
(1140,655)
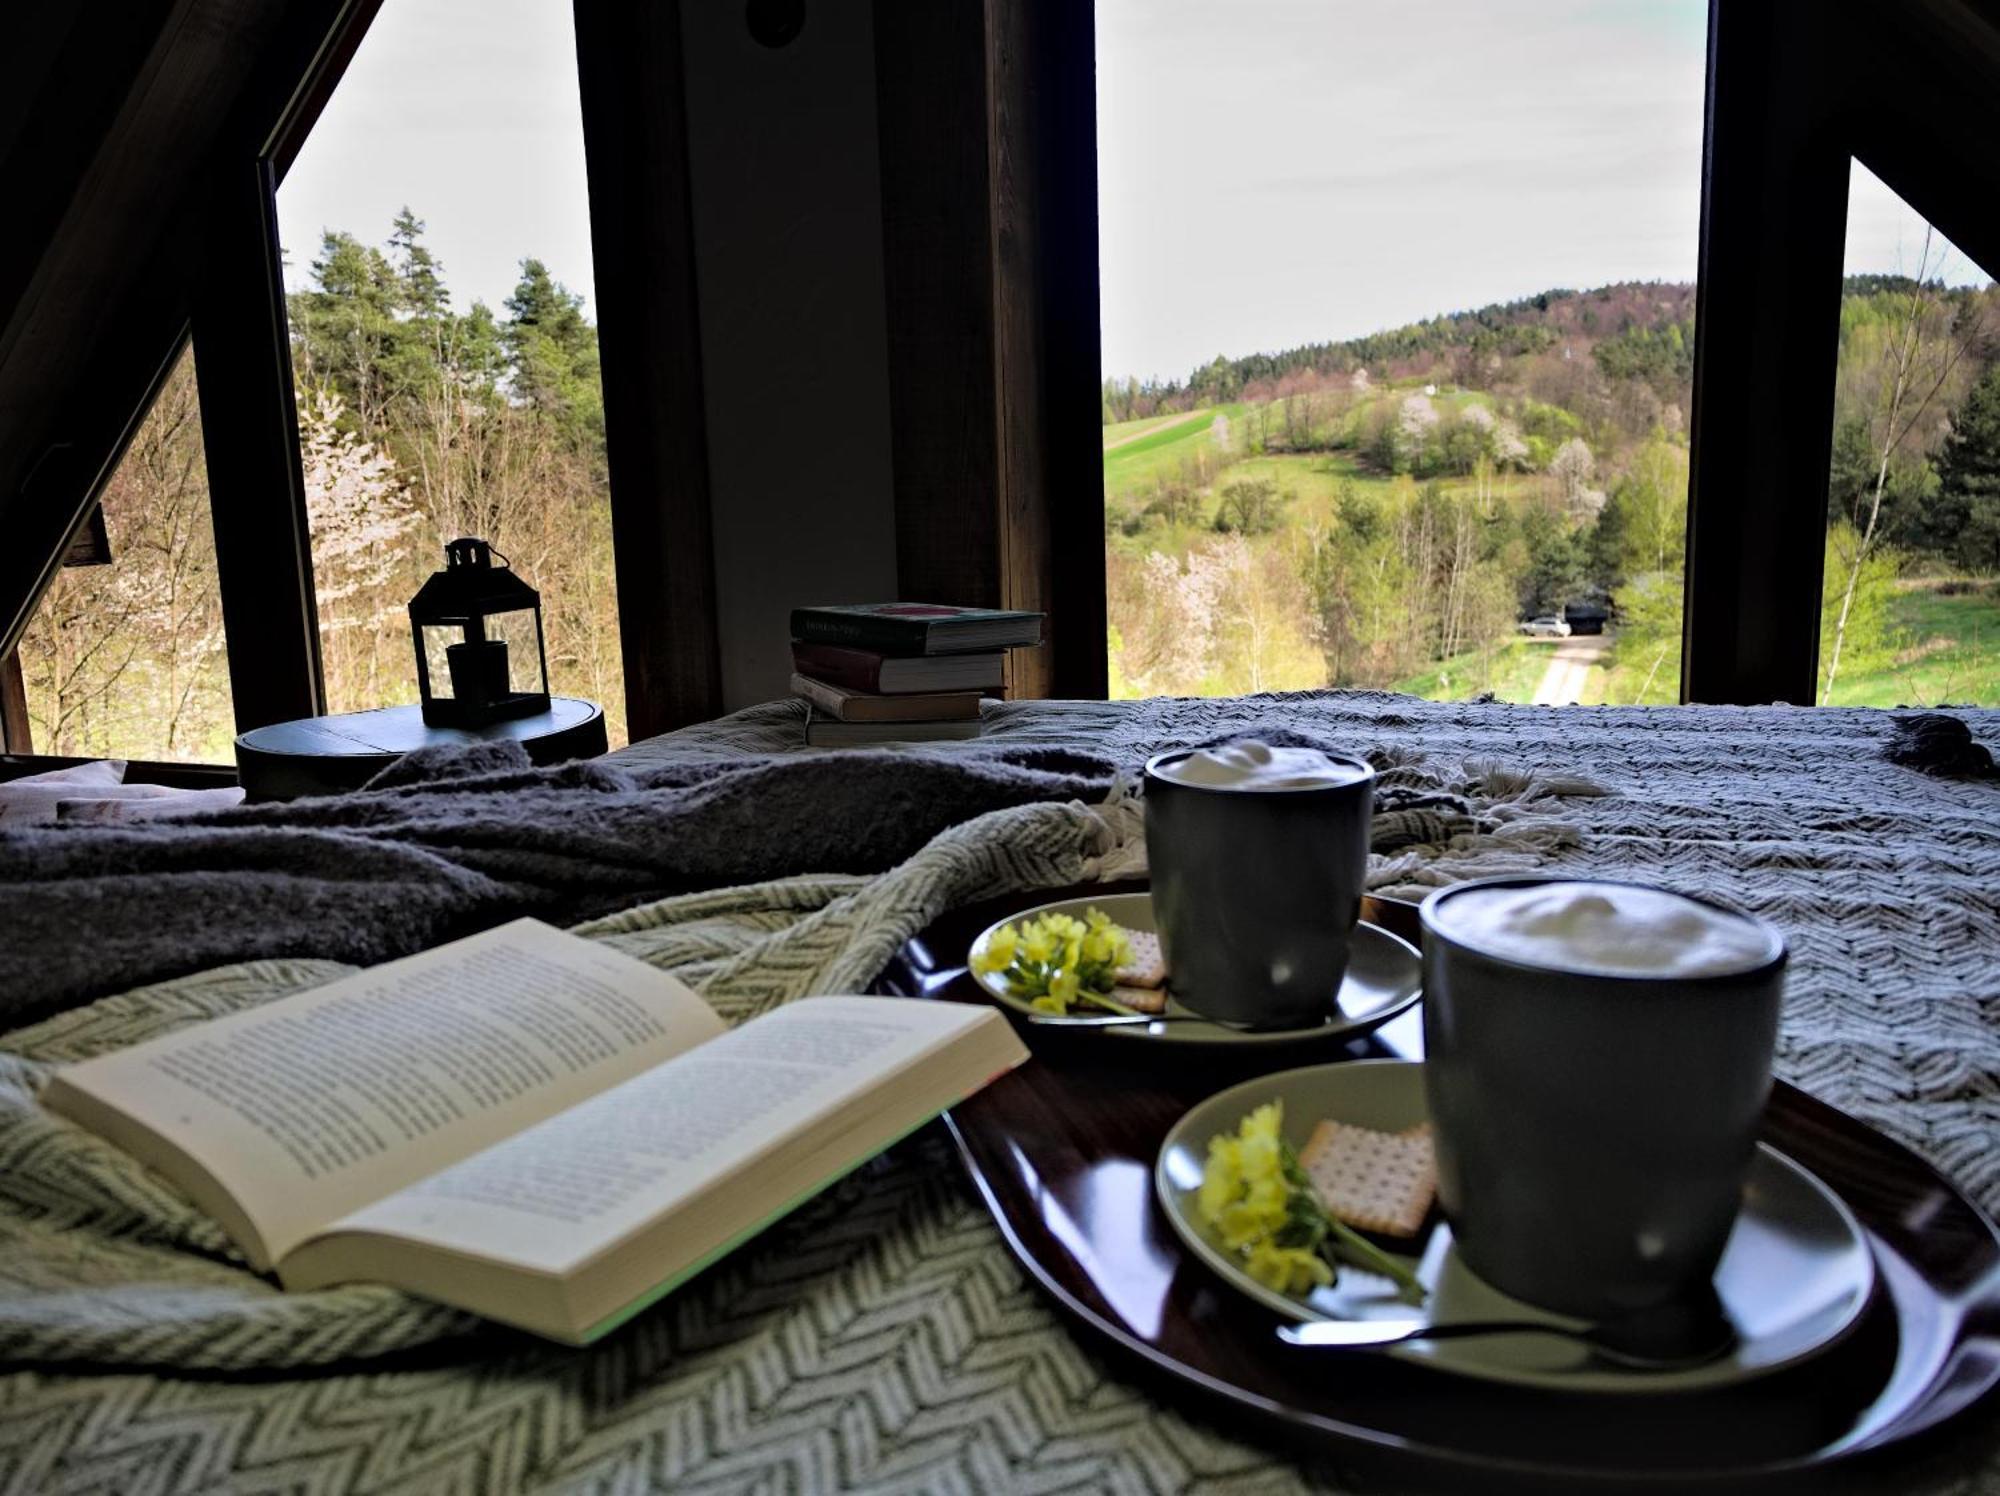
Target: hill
(1381,510)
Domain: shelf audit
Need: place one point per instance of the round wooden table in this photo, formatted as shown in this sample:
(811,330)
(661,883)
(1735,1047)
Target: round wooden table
(328,755)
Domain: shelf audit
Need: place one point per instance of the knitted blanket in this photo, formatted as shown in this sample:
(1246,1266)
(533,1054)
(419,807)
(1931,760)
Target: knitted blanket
(881,1339)
(100,1263)
(446,842)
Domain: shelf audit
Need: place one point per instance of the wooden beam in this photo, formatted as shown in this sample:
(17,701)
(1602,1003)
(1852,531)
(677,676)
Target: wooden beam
(96,277)
(1767,324)
(16,736)
(243,370)
(1043,57)
(629,63)
(989,205)
(937,253)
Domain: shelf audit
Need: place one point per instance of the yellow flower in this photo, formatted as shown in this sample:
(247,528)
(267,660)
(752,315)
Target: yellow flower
(1265,1122)
(997,954)
(1037,945)
(1049,1005)
(1097,947)
(1063,988)
(1221,1179)
(1287,1269)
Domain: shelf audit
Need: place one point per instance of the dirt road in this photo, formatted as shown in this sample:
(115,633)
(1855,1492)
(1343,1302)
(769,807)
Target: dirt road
(1569,667)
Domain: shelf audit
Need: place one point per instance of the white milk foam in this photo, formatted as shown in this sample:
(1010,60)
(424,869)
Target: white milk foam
(1603,928)
(1251,765)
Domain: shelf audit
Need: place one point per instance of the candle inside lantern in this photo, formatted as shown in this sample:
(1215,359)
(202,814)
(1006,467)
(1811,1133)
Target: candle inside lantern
(478,671)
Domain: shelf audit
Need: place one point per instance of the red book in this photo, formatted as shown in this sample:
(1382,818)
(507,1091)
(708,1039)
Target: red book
(891,675)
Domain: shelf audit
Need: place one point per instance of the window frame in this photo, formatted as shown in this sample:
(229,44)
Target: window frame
(986,117)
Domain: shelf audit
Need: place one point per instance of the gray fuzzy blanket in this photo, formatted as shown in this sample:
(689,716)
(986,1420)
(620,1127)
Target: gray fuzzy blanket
(445,843)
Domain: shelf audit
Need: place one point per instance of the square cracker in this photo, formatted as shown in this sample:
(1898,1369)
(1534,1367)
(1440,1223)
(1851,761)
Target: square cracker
(1377,1181)
(1141,999)
(1148,966)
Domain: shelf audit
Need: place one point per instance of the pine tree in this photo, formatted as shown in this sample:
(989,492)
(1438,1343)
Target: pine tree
(553,350)
(1969,475)
(422,277)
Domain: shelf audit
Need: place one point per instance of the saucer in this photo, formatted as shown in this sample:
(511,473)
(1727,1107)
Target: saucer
(1384,978)
(1794,1277)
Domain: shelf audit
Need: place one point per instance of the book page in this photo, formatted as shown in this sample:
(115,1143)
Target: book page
(549,1198)
(312,1106)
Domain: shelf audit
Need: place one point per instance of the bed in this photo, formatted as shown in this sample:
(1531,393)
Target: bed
(881,1338)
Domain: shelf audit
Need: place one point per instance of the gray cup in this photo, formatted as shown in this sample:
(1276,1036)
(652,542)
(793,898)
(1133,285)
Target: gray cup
(1593,1131)
(1256,892)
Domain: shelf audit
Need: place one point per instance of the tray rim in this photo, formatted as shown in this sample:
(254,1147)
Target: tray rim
(1951,1406)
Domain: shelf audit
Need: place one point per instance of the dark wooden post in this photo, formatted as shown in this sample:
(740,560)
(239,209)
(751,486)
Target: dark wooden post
(987,116)
(642,243)
(249,428)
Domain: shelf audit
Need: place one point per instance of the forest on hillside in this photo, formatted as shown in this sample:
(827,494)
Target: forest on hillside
(1382,512)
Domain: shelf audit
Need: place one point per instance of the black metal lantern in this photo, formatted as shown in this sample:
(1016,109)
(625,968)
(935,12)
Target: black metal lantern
(478,631)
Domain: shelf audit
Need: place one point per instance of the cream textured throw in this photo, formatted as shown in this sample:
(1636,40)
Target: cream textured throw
(882,1339)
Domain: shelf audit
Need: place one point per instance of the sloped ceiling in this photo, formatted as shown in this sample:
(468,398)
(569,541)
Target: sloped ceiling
(115,121)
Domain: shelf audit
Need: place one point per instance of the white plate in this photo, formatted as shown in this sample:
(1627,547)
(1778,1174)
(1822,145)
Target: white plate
(1794,1277)
(1384,978)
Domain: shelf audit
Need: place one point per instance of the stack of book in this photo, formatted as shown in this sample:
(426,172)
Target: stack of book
(900,672)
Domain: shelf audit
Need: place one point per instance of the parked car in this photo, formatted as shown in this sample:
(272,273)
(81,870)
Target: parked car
(1588,615)
(1548,626)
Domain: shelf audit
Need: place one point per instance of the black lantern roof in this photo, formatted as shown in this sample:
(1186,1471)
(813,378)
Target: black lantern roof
(470,585)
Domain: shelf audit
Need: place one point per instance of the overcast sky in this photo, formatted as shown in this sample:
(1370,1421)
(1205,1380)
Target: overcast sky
(1271,172)
(466,110)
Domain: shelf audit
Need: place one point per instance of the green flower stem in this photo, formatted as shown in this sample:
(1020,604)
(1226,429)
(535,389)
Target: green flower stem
(1364,1254)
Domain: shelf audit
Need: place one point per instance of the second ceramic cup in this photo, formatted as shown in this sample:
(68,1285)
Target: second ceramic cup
(1594,1127)
(1256,891)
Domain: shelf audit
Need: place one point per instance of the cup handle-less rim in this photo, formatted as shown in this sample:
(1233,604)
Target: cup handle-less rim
(1774,940)
(1153,776)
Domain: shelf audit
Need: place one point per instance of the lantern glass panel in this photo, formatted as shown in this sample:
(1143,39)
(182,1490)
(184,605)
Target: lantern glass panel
(517,631)
(438,637)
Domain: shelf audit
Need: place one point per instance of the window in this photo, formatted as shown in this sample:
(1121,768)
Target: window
(1318,468)
(438,266)
(1910,605)
(125,659)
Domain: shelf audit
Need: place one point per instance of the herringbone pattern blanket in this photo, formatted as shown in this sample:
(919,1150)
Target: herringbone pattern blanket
(881,1339)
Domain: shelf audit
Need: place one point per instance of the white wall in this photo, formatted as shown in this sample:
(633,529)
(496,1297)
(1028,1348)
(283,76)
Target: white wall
(788,247)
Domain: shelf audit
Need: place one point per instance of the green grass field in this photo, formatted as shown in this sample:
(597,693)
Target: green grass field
(1510,670)
(1163,452)
(1950,652)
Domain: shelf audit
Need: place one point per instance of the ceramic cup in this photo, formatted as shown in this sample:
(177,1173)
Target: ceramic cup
(1593,1131)
(1256,891)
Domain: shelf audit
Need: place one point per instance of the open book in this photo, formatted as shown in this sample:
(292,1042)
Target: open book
(524,1124)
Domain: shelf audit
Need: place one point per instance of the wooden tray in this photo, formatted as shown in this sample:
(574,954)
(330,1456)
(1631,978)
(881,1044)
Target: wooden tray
(1062,1151)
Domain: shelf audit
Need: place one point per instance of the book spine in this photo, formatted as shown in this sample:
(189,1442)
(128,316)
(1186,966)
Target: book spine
(851,670)
(823,698)
(856,631)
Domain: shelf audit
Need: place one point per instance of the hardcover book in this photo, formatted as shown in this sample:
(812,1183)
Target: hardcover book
(524,1124)
(916,628)
(865,706)
(824,732)
(897,675)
